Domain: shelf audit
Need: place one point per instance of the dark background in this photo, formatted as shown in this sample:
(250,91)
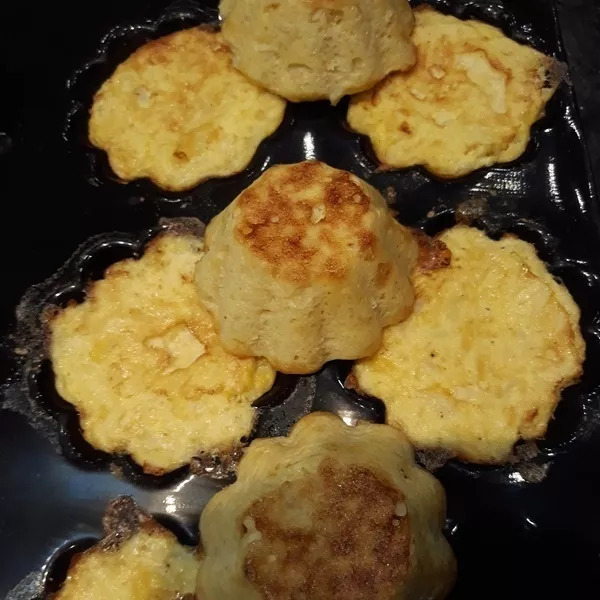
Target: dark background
(42,43)
(580,22)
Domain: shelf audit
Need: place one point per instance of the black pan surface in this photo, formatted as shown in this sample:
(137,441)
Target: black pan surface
(527,530)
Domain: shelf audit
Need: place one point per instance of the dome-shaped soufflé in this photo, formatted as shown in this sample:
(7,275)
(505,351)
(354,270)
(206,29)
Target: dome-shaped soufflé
(318,49)
(329,512)
(305,266)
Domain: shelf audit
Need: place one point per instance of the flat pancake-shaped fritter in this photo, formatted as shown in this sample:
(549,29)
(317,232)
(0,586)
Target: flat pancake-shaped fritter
(329,512)
(177,111)
(141,362)
(482,360)
(469,102)
(138,559)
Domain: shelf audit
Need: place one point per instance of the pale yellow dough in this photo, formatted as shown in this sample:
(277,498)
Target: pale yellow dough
(318,49)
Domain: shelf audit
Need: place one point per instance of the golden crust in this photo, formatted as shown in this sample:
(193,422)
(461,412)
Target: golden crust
(366,546)
(137,558)
(176,111)
(303,219)
(321,263)
(141,362)
(481,362)
(330,508)
(469,102)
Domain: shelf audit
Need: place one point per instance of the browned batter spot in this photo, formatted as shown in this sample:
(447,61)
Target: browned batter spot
(342,532)
(306,221)
(433,254)
(384,271)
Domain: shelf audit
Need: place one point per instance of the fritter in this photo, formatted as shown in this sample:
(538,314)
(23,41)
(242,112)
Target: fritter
(481,362)
(469,102)
(141,362)
(138,559)
(177,111)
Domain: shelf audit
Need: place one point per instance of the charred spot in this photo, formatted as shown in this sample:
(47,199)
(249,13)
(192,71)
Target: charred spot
(405,128)
(367,242)
(433,254)
(123,518)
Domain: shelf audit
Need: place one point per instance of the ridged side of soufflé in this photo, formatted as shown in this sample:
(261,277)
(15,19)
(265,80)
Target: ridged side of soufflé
(318,49)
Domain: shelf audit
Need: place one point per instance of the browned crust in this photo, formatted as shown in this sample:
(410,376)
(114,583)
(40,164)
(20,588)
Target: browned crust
(273,223)
(354,521)
(122,520)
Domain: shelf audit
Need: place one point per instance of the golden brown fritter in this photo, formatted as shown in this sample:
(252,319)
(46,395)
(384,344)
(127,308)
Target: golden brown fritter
(330,512)
(481,362)
(142,363)
(469,102)
(177,111)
